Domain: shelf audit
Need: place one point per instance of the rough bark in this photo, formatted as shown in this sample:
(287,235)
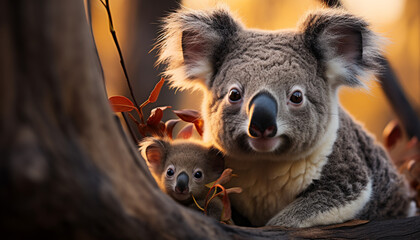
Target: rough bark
(67,171)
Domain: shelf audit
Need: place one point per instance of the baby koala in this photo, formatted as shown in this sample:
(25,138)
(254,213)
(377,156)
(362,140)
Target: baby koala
(182,168)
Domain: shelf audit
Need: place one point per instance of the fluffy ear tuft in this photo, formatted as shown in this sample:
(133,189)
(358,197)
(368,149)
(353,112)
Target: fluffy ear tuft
(153,151)
(193,44)
(343,44)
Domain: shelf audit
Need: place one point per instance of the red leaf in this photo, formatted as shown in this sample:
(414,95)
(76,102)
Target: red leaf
(211,194)
(142,129)
(186,132)
(155,92)
(225,177)
(227,211)
(121,104)
(234,190)
(392,133)
(199,125)
(170,124)
(156,115)
(188,115)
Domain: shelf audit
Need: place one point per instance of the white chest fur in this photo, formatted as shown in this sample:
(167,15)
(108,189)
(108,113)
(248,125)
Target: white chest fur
(269,186)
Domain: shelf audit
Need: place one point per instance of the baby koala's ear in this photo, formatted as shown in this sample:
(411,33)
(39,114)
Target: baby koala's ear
(343,45)
(217,159)
(153,151)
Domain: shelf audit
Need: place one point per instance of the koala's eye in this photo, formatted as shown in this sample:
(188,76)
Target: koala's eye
(170,172)
(296,97)
(198,174)
(234,95)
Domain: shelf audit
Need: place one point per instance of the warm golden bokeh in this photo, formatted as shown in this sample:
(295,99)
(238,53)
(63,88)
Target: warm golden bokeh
(396,20)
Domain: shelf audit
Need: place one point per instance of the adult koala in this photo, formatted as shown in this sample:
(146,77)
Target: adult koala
(270,103)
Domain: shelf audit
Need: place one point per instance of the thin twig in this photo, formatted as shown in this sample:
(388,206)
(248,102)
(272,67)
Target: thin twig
(114,37)
(133,136)
(103,3)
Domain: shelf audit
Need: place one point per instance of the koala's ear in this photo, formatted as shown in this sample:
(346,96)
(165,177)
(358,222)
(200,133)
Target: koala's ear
(342,43)
(217,159)
(193,45)
(153,151)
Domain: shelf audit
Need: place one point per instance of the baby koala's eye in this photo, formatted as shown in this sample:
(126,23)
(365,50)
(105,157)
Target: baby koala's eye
(170,172)
(296,98)
(198,174)
(234,95)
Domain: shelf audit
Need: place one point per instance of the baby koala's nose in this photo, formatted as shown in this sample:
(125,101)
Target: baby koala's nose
(181,186)
(262,116)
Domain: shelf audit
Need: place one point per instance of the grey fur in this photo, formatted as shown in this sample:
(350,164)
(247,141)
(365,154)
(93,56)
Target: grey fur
(345,175)
(185,156)
(321,167)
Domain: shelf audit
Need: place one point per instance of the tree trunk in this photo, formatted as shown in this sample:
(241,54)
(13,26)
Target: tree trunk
(67,171)
(66,168)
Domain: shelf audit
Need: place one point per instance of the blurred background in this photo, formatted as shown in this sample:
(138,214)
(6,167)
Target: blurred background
(137,23)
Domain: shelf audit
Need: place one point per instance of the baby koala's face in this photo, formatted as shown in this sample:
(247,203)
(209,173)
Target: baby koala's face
(186,174)
(182,168)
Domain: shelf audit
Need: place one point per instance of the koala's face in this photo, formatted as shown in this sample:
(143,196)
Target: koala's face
(267,98)
(182,168)
(269,94)
(182,180)
(186,171)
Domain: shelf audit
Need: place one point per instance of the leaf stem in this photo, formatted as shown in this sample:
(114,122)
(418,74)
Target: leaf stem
(141,110)
(196,203)
(133,136)
(133,118)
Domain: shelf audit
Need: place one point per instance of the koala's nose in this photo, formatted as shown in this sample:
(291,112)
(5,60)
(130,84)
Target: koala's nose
(182,183)
(262,114)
